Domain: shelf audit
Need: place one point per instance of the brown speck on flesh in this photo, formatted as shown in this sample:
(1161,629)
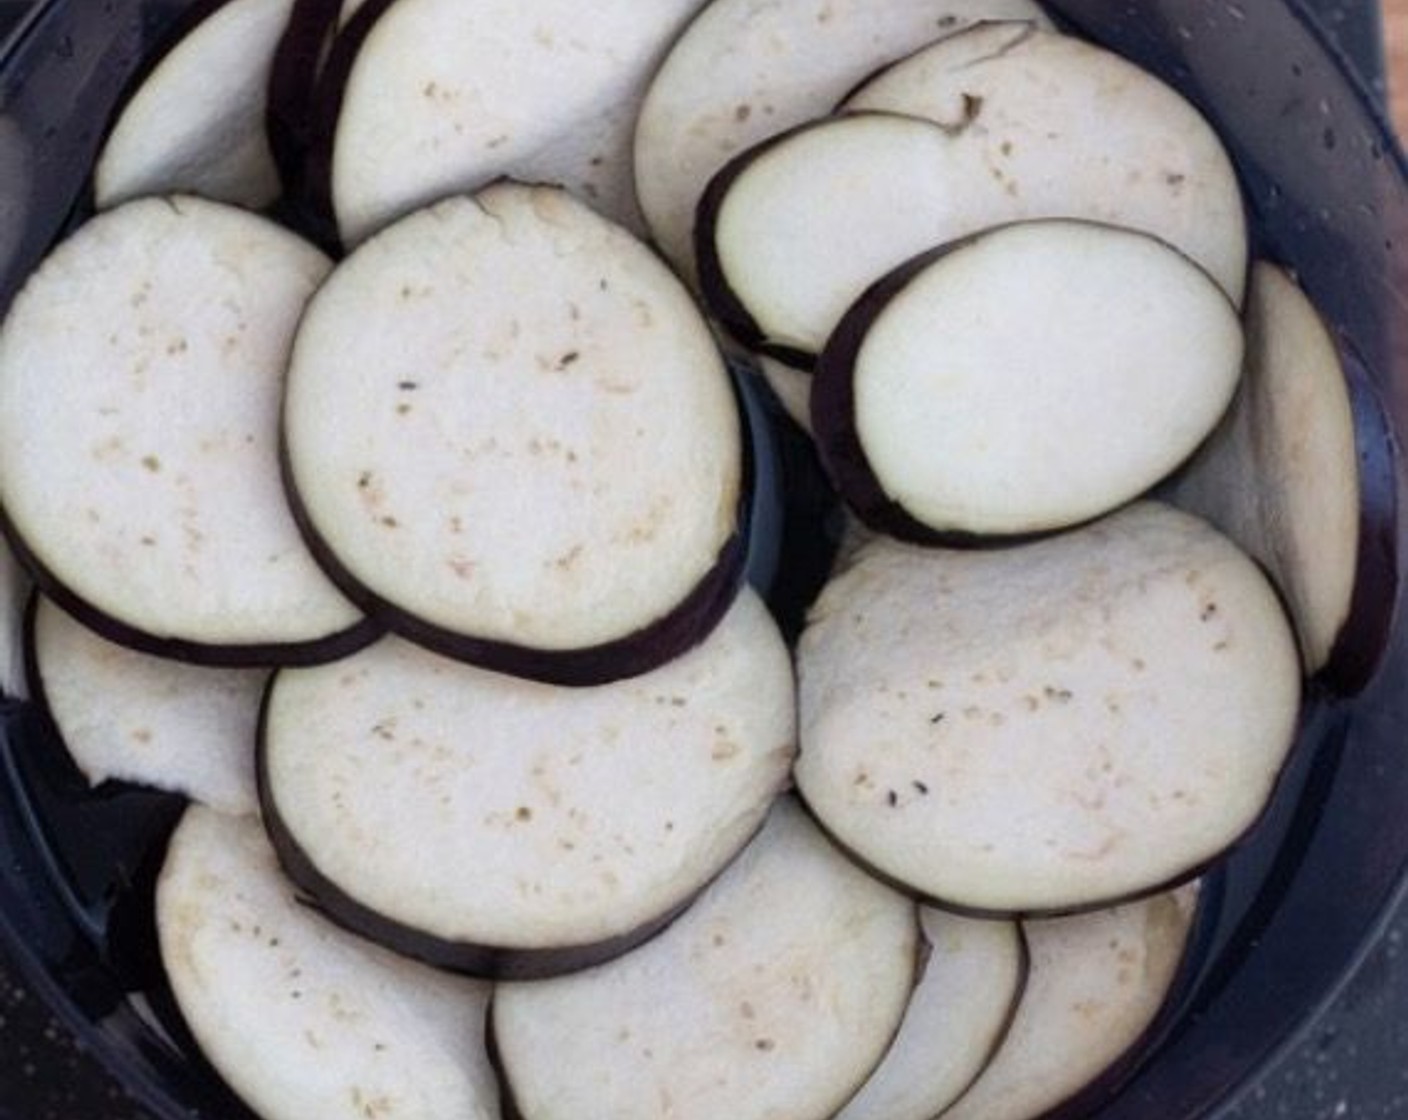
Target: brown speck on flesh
(718,941)
(602,284)
(972,711)
(861,779)
(1138,664)
(177,346)
(1057,695)
(944,23)
(1222,646)
(1006,148)
(390,522)
(568,358)
(1175,179)
(972,109)
(892,798)
(565,562)
(920,787)
(364,480)
(723,751)
(149,542)
(430,90)
(765,1045)
(1208,613)
(151,463)
(934,684)
(403,409)
(747,1010)
(669,826)
(742,113)
(597,161)
(498,141)
(385,731)
(523,813)
(408,386)
(142,735)
(937,718)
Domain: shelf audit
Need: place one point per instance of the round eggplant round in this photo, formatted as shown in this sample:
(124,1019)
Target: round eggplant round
(743,71)
(511,828)
(141,370)
(1031,377)
(1049,125)
(510,434)
(774,995)
(1052,726)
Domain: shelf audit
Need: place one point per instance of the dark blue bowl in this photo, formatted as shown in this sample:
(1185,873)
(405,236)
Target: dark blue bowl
(1299,903)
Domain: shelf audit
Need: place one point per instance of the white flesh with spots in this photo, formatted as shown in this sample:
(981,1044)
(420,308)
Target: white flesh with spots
(774,995)
(1281,474)
(1096,983)
(1049,726)
(299,1017)
(141,372)
(957,1017)
(1040,375)
(484,470)
(1048,125)
(494,811)
(196,123)
(446,95)
(149,720)
(745,70)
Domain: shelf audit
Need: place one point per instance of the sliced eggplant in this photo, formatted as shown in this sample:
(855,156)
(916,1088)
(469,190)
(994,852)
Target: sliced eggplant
(1051,726)
(133,717)
(196,121)
(1281,476)
(510,828)
(1028,378)
(141,369)
(443,96)
(1052,126)
(299,1017)
(774,995)
(744,71)
(1096,991)
(791,232)
(549,485)
(974,974)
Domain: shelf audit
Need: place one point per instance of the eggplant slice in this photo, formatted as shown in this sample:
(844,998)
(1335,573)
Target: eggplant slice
(1031,377)
(1096,991)
(444,96)
(1281,476)
(1051,126)
(774,995)
(300,1018)
(1052,726)
(974,975)
(513,437)
(195,123)
(132,717)
(506,827)
(744,71)
(141,369)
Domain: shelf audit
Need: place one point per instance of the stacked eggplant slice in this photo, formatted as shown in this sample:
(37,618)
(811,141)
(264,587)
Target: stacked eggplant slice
(377,459)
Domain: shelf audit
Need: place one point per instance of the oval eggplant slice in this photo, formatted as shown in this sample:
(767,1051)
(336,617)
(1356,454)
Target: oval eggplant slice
(300,1018)
(743,71)
(512,828)
(974,975)
(1052,726)
(444,96)
(513,437)
(1032,377)
(1281,476)
(195,123)
(141,369)
(133,717)
(774,995)
(793,231)
(1097,987)
(1051,126)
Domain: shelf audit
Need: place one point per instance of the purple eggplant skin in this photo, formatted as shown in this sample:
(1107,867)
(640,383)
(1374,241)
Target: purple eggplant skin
(312,203)
(665,638)
(264,655)
(293,80)
(723,303)
(1085,1102)
(1360,645)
